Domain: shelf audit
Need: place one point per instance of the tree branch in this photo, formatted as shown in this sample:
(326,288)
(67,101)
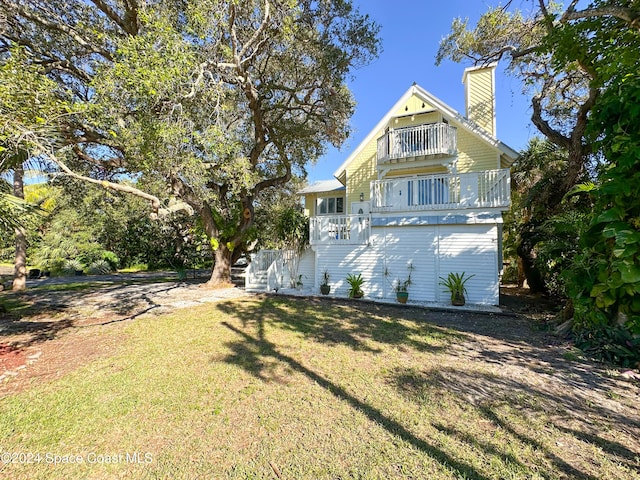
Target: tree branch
(61,27)
(544,126)
(256,35)
(630,15)
(155,201)
(112,15)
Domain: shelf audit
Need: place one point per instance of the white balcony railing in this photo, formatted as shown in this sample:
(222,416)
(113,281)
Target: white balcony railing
(422,140)
(346,229)
(488,189)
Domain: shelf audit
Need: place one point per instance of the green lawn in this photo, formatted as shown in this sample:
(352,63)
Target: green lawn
(280,388)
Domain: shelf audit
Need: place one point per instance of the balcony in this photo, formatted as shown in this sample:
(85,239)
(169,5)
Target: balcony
(437,139)
(487,189)
(340,229)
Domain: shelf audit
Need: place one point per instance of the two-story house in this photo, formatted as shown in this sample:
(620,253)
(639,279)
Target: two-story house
(426,188)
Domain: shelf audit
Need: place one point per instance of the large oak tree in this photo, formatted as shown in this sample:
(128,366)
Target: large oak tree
(221,100)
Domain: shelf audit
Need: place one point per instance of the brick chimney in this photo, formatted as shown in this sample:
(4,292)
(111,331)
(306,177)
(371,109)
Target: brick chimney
(480,101)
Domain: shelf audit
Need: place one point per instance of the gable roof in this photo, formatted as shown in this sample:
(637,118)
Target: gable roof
(439,105)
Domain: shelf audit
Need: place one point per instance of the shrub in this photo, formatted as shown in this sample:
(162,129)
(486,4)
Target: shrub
(112,259)
(100,267)
(612,344)
(70,267)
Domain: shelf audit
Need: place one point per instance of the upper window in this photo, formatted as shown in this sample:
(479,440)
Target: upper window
(330,205)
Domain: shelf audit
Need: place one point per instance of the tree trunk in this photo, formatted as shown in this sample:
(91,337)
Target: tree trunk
(20,262)
(221,273)
(526,254)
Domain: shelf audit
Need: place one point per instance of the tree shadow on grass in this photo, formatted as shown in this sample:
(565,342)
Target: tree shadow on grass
(253,352)
(41,316)
(486,393)
(360,327)
(568,393)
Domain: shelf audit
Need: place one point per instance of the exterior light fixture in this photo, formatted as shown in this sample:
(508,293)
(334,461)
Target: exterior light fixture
(361,196)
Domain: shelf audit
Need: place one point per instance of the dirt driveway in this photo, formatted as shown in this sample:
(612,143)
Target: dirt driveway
(47,332)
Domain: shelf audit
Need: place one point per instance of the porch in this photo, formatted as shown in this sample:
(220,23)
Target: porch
(436,139)
(457,191)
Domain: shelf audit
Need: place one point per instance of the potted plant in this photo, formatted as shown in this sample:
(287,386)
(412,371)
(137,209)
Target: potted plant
(325,288)
(401,287)
(455,283)
(355,285)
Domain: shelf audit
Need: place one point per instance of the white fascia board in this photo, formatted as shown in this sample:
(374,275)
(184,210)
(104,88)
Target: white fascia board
(445,110)
(373,133)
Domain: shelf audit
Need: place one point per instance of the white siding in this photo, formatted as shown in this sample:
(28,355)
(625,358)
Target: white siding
(472,249)
(433,250)
(342,260)
(415,245)
(306,268)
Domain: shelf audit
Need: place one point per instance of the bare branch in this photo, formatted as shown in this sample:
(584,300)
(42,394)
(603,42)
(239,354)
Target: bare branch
(155,201)
(256,35)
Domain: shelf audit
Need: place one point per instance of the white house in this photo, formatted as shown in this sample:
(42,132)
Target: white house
(426,188)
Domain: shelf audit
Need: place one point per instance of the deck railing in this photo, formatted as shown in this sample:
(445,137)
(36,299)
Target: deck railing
(487,189)
(346,229)
(422,140)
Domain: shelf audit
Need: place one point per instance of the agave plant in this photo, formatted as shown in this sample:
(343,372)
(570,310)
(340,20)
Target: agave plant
(72,267)
(99,267)
(355,285)
(455,283)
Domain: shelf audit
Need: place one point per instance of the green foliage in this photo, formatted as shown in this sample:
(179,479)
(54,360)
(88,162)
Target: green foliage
(116,228)
(610,343)
(217,101)
(72,266)
(495,28)
(543,226)
(30,106)
(292,229)
(99,267)
(401,285)
(455,283)
(325,277)
(355,285)
(604,281)
(558,246)
(111,259)
(15,212)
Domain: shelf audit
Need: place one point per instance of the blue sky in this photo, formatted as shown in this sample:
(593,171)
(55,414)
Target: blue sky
(411,32)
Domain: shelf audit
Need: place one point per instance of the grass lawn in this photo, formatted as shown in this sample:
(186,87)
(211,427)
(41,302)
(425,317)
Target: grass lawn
(269,388)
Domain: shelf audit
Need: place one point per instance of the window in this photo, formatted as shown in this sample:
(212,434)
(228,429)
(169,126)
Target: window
(330,206)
